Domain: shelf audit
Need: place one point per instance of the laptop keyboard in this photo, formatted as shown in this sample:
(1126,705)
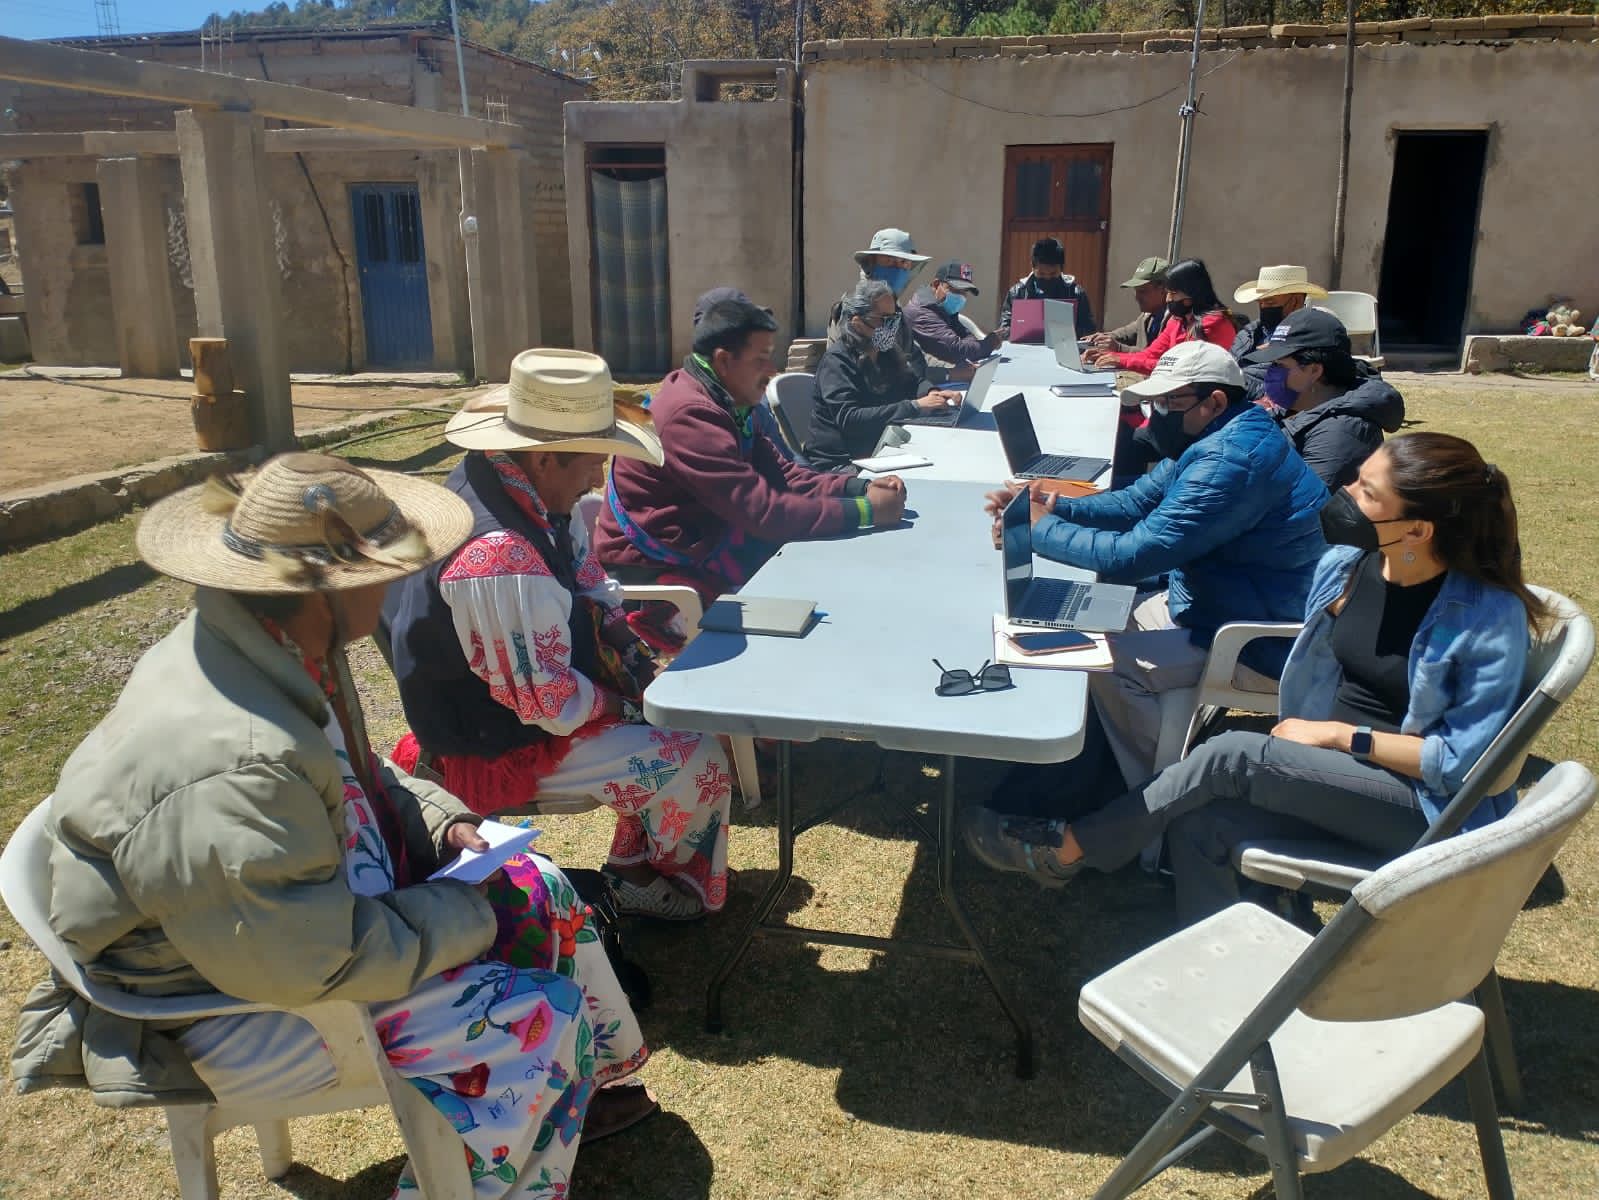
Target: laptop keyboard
(943,416)
(1056,599)
(1054,464)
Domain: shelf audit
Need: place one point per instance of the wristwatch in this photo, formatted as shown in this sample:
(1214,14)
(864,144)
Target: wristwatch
(1360,742)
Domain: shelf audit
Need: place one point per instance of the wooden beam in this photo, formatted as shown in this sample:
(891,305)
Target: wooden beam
(114,75)
(106,143)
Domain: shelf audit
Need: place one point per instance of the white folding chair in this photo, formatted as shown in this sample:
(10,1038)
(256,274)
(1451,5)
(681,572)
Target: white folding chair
(1186,711)
(687,602)
(791,396)
(1557,661)
(364,1078)
(1308,1050)
(1358,312)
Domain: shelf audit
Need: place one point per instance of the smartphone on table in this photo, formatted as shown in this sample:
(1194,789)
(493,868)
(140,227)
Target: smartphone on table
(1050,641)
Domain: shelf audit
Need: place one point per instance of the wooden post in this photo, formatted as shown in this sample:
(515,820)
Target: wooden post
(221,416)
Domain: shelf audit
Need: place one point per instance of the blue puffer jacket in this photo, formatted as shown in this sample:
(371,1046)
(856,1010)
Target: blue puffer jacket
(1235,521)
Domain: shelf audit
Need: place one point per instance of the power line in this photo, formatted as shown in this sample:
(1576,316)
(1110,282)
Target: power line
(106,23)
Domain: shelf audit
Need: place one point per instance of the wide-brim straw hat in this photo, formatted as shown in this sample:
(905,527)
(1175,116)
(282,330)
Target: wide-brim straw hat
(1279,281)
(560,400)
(303,523)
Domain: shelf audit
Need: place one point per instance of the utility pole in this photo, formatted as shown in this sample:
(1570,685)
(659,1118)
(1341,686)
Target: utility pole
(1335,273)
(1185,140)
(468,215)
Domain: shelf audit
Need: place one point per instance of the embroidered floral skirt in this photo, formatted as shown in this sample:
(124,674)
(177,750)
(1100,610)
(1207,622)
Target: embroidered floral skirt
(509,1048)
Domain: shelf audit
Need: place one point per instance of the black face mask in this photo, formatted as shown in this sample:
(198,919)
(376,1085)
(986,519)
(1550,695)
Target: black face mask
(1179,308)
(1166,433)
(1271,317)
(1343,524)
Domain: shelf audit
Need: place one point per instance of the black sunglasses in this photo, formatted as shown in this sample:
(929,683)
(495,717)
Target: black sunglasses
(990,677)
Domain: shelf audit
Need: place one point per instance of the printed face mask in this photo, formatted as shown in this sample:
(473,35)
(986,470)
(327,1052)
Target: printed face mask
(886,335)
(953,303)
(895,277)
(1343,524)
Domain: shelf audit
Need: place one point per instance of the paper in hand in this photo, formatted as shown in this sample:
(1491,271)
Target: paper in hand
(505,843)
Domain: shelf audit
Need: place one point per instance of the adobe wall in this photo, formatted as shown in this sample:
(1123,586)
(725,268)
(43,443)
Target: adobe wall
(912,133)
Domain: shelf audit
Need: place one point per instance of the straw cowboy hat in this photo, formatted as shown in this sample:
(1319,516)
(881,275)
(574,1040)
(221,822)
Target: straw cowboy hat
(303,523)
(556,400)
(1279,281)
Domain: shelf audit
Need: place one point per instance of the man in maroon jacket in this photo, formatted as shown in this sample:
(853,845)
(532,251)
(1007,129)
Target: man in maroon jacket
(725,499)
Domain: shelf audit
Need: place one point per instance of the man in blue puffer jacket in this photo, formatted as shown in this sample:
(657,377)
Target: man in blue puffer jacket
(1231,516)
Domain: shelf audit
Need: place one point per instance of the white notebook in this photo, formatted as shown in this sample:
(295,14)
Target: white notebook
(1089,658)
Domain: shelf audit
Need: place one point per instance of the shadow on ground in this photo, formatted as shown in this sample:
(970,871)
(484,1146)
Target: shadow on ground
(64,601)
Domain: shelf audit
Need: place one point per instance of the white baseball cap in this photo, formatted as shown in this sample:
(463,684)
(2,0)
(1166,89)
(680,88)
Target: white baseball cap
(1187,363)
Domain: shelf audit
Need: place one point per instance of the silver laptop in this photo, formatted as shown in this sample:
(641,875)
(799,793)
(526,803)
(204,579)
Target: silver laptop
(1054,603)
(1026,461)
(971,397)
(1060,333)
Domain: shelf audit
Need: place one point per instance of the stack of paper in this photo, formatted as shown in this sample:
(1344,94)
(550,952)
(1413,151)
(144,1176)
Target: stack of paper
(1089,658)
(505,843)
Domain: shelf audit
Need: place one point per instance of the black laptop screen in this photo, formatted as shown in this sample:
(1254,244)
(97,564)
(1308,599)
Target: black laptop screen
(1016,538)
(1016,434)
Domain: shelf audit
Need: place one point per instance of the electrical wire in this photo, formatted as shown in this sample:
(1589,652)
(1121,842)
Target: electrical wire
(1058,116)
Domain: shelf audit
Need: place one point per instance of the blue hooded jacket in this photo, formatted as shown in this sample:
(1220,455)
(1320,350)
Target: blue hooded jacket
(1235,521)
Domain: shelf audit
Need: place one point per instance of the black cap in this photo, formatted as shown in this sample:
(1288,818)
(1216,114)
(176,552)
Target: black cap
(1305,329)
(716,296)
(957,275)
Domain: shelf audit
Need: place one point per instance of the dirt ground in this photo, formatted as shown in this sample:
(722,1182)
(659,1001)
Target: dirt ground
(55,428)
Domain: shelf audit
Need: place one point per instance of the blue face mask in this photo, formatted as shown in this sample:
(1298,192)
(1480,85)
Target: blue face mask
(953,303)
(1277,389)
(895,277)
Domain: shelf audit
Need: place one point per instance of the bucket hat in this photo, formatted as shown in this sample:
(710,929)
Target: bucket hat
(895,243)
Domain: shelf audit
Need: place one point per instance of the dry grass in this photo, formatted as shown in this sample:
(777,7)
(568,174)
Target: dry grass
(846,1074)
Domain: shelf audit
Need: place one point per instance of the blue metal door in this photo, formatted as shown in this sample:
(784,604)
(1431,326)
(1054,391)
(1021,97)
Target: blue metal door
(394,277)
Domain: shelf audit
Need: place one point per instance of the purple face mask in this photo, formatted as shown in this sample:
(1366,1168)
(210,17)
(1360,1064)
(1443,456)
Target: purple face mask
(1277,389)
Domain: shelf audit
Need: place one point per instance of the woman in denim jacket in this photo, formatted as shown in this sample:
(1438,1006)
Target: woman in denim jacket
(1410,663)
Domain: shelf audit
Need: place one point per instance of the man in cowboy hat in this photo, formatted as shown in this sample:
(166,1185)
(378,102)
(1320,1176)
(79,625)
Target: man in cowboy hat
(934,318)
(517,667)
(724,499)
(1148,285)
(1279,291)
(1049,281)
(890,259)
(224,829)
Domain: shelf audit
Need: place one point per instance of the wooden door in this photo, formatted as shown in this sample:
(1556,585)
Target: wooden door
(394,275)
(1061,192)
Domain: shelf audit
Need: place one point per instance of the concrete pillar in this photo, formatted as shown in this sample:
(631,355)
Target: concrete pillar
(136,251)
(438,181)
(237,289)
(509,320)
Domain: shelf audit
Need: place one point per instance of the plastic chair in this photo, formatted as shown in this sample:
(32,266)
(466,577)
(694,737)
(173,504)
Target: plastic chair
(791,396)
(1557,661)
(363,1076)
(1358,312)
(1343,1035)
(1184,712)
(687,602)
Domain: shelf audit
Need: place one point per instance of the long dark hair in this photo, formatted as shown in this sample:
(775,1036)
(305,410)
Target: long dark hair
(1191,277)
(1441,478)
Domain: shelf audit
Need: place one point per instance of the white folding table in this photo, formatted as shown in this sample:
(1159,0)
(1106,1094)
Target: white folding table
(890,602)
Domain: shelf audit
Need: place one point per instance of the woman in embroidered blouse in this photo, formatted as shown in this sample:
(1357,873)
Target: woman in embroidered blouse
(1410,663)
(518,669)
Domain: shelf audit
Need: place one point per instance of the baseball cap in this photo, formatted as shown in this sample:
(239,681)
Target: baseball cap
(1303,329)
(1186,363)
(1151,270)
(716,296)
(958,275)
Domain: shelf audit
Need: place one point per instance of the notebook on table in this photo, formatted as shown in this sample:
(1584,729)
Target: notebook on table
(1026,461)
(772,615)
(1053,603)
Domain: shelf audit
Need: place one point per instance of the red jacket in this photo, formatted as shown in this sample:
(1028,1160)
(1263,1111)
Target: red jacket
(1215,327)
(707,486)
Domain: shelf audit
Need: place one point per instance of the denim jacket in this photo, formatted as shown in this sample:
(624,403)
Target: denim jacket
(1466,667)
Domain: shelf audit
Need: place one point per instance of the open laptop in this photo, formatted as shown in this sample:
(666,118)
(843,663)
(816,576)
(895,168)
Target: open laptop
(1026,461)
(1060,333)
(1054,603)
(972,394)
(1027,322)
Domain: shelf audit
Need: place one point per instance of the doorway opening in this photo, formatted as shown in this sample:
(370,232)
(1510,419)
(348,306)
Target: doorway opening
(1424,288)
(1062,192)
(628,258)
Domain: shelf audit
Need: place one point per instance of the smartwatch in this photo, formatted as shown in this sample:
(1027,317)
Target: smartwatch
(1360,742)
